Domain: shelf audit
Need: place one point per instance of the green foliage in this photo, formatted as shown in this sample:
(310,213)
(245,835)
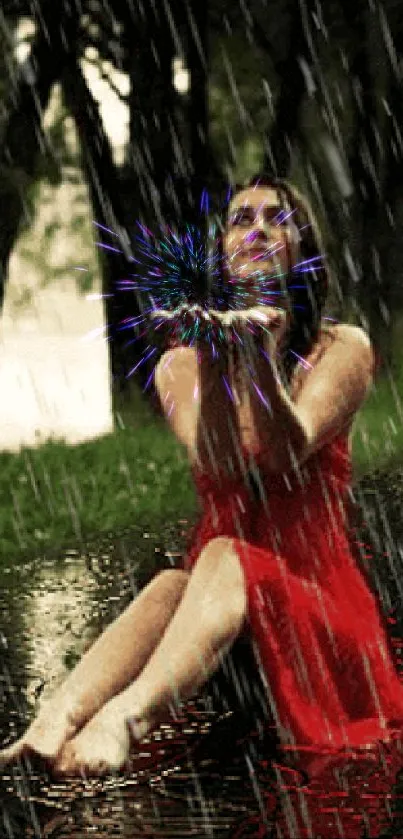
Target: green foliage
(55,232)
(24,299)
(378,437)
(71,658)
(85,280)
(78,222)
(59,492)
(39,244)
(238,105)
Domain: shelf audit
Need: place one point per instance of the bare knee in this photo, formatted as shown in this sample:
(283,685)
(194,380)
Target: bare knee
(219,559)
(170,582)
(173,577)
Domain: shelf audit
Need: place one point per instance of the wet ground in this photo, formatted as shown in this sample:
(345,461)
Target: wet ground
(210,772)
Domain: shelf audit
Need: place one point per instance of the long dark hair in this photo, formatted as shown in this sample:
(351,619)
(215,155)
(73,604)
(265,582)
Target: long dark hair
(307,281)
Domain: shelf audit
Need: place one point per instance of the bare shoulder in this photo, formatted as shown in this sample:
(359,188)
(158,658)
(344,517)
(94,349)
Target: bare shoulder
(343,334)
(353,335)
(338,345)
(354,344)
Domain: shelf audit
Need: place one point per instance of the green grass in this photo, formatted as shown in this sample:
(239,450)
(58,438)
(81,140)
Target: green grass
(378,429)
(56,495)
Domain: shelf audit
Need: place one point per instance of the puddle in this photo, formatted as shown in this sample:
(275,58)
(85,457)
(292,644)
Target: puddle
(196,777)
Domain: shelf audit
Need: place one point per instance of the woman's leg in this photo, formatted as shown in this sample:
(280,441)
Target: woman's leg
(209,617)
(113,662)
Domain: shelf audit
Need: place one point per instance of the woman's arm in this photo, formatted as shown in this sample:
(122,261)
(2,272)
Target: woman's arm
(192,387)
(218,437)
(289,432)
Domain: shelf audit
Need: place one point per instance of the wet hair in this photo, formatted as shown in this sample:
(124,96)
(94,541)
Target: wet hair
(307,282)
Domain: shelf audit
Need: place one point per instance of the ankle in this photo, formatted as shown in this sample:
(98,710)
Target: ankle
(140,717)
(138,721)
(138,727)
(65,706)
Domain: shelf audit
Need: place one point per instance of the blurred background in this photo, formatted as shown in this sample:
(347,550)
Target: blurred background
(119,114)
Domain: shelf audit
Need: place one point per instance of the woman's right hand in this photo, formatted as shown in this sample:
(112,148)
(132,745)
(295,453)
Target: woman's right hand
(188,324)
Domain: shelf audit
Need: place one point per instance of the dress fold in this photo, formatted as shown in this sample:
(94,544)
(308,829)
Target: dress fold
(318,635)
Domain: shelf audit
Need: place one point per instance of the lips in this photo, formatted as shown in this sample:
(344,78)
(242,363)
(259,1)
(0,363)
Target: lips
(257,253)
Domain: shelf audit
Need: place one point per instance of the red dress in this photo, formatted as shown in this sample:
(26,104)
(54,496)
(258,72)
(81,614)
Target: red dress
(316,628)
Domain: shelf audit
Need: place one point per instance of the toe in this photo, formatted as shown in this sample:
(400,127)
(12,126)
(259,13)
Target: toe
(98,769)
(65,764)
(12,754)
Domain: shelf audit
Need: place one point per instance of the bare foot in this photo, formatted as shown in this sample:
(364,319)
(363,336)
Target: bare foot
(45,737)
(102,746)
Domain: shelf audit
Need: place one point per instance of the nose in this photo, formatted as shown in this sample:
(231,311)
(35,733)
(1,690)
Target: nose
(260,229)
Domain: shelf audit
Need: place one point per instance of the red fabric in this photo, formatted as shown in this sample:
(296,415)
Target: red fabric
(316,627)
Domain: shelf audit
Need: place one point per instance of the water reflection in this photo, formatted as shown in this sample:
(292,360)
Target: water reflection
(198,775)
(57,623)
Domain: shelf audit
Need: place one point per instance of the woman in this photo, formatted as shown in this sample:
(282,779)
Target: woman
(267,430)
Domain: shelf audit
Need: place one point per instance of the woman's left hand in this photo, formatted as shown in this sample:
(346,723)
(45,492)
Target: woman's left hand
(263,326)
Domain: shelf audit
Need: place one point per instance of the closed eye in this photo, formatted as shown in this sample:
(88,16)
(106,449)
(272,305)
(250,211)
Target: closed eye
(246,216)
(242,218)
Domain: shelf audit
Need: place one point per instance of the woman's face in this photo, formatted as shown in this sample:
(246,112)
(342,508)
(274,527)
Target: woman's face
(260,244)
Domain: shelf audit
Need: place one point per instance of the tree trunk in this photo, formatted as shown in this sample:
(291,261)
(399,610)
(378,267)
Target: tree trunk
(126,346)
(285,128)
(376,170)
(197,57)
(173,163)
(23,141)
(155,153)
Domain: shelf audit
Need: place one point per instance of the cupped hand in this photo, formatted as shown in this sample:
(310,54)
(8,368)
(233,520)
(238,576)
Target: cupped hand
(195,324)
(188,323)
(262,326)
(262,320)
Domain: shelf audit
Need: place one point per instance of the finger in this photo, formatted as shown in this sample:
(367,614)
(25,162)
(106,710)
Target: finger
(102,769)
(201,325)
(65,761)
(179,309)
(221,317)
(219,326)
(187,319)
(203,318)
(65,769)
(276,318)
(161,314)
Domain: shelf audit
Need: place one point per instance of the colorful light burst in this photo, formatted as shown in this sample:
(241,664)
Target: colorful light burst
(179,279)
